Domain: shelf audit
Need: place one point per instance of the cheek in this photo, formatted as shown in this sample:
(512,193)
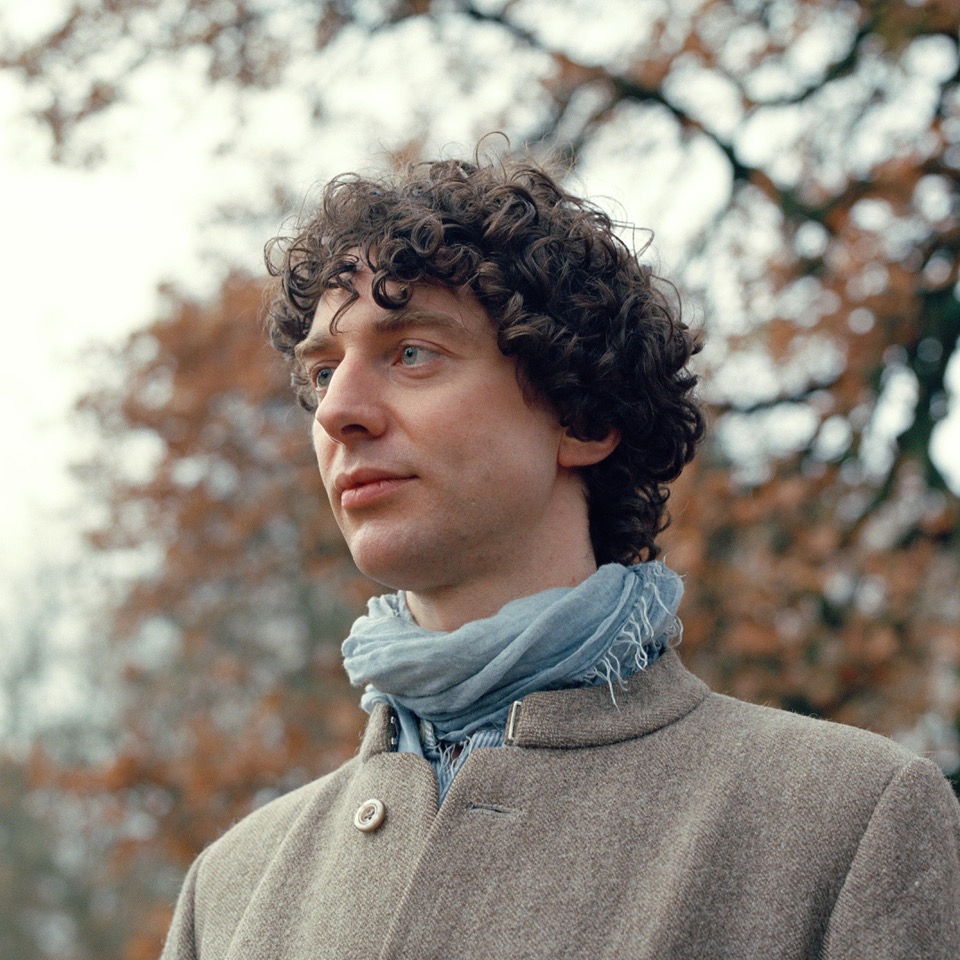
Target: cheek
(323,450)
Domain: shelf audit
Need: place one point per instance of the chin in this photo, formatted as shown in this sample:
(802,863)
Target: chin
(413,570)
(386,567)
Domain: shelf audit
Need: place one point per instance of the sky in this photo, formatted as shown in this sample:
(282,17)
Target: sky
(82,254)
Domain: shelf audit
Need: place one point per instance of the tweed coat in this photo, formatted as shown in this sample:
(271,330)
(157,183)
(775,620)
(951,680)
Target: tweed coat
(675,824)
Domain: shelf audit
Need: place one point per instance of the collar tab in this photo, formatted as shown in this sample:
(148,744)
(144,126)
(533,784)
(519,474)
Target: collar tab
(649,700)
(512,717)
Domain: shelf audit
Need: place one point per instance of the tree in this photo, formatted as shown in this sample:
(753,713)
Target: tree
(248,587)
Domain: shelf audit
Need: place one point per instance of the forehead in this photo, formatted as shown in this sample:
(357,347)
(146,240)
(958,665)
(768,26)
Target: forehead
(341,313)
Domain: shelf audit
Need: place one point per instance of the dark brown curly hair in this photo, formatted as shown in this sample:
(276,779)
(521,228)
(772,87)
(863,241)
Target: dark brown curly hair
(595,333)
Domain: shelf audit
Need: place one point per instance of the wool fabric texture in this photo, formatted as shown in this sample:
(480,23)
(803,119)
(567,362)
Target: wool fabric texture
(605,628)
(677,825)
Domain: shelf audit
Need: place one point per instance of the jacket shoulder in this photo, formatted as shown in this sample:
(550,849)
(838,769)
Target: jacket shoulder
(800,760)
(773,731)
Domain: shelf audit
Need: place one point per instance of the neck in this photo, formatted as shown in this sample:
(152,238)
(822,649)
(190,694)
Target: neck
(555,551)
(446,609)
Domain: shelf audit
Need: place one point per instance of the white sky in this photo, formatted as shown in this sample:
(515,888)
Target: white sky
(81,256)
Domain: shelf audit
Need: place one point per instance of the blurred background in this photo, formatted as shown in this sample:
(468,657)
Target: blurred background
(174,591)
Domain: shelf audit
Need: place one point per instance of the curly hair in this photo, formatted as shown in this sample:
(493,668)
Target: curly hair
(595,333)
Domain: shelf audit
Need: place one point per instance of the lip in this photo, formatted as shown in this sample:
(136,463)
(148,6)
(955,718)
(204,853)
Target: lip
(360,488)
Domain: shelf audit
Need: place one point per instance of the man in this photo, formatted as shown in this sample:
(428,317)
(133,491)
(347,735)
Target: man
(500,392)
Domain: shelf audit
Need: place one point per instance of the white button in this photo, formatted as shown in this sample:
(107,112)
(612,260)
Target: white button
(369,815)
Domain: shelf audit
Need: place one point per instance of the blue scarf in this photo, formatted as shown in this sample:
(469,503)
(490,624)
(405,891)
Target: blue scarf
(611,625)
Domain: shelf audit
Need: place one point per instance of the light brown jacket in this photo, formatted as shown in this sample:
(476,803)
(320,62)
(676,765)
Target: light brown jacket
(676,824)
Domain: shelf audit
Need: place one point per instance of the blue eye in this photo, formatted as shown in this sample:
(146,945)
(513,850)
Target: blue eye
(321,377)
(412,355)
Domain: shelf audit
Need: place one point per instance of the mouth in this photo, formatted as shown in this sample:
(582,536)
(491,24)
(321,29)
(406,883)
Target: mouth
(364,487)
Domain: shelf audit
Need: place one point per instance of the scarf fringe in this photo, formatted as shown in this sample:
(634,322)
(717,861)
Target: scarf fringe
(632,650)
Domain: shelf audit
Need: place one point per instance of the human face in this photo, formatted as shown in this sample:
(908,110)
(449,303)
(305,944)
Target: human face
(444,479)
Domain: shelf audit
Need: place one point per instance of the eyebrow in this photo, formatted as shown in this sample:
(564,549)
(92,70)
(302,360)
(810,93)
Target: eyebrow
(391,322)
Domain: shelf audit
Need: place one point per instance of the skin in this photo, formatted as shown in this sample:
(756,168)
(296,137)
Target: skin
(445,481)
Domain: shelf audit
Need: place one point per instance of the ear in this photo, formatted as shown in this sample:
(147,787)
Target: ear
(585,453)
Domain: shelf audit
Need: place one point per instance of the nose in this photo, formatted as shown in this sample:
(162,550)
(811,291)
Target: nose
(351,407)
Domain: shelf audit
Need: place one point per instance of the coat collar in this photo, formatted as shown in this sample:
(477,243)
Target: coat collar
(582,717)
